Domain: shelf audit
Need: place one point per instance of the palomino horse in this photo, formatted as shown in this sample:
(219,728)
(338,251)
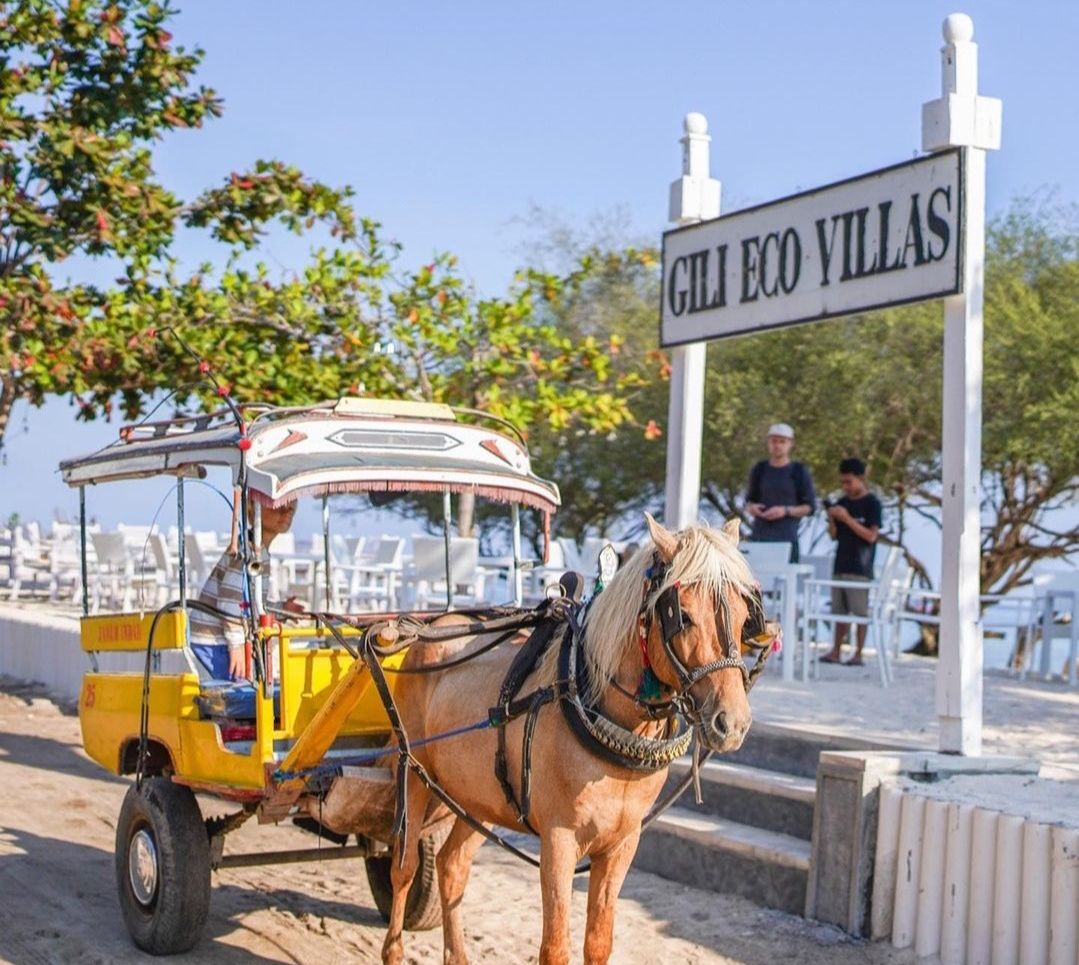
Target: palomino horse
(581,803)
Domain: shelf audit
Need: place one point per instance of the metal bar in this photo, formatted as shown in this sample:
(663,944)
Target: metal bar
(326,549)
(182,540)
(331,853)
(82,540)
(518,589)
(447,520)
(256,556)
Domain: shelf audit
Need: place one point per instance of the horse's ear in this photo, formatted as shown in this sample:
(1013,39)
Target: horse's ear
(732,529)
(666,542)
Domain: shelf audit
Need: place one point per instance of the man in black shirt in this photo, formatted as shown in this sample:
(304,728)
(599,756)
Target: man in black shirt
(780,492)
(853,522)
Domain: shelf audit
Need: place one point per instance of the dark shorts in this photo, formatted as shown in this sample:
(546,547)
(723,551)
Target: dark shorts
(852,601)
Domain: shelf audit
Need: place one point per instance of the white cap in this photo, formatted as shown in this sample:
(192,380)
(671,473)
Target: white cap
(781,429)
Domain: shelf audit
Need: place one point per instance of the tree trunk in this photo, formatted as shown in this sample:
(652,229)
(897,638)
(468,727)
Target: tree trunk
(466,514)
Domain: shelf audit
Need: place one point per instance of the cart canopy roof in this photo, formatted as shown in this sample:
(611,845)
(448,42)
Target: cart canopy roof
(345,446)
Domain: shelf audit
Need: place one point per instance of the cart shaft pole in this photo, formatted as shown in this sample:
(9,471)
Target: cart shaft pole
(329,853)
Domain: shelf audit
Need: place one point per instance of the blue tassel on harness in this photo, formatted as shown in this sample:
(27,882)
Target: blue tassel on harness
(650,686)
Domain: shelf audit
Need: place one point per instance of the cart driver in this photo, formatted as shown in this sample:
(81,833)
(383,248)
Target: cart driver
(219,644)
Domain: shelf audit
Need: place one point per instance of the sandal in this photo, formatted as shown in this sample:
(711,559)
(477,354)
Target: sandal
(828,658)
(855,662)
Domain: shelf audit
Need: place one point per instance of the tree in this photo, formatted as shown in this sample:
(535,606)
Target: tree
(868,386)
(86,92)
(1030,444)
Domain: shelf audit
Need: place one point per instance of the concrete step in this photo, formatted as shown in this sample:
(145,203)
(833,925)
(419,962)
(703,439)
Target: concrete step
(793,750)
(704,851)
(751,795)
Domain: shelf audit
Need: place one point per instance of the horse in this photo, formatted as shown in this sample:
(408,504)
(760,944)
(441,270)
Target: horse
(582,804)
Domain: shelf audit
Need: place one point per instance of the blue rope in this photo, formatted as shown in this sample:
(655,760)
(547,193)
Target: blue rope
(376,753)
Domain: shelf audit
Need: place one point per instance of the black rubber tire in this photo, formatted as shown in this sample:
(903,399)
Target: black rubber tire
(172,920)
(423,909)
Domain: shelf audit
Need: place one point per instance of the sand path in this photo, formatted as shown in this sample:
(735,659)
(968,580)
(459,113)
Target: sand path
(58,902)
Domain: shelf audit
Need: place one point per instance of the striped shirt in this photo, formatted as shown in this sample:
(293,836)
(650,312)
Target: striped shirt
(224,589)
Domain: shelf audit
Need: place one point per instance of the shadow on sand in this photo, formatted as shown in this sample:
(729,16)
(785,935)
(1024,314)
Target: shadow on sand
(60,904)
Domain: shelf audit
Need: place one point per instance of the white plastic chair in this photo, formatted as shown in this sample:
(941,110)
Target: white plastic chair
(541,577)
(197,564)
(26,559)
(168,581)
(1055,615)
(571,556)
(117,573)
(378,580)
(428,576)
(65,569)
(880,622)
(765,554)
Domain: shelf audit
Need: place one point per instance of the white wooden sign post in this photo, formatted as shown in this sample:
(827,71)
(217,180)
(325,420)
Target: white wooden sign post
(694,198)
(907,233)
(960,118)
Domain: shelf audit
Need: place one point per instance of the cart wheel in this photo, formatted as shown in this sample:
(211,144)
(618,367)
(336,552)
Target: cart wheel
(423,909)
(162,867)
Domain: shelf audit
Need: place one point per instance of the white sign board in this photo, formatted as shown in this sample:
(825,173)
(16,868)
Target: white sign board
(884,238)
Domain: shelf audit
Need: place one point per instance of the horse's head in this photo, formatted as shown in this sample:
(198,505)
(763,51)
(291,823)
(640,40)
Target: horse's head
(699,600)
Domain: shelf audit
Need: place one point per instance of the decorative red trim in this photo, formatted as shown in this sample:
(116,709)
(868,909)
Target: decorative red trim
(290,440)
(492,447)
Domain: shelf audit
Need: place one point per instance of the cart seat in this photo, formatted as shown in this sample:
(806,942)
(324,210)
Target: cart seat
(231,700)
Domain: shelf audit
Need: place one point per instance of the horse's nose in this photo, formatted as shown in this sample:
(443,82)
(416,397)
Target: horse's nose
(719,724)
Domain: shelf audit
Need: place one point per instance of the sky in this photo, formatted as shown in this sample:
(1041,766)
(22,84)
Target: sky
(453,122)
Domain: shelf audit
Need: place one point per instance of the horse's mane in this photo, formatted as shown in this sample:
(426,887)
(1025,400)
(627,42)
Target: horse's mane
(705,557)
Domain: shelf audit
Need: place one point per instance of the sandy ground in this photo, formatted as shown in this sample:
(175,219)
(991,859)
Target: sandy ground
(58,901)
(1025,718)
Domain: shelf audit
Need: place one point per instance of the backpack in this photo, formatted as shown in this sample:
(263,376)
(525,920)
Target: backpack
(799,474)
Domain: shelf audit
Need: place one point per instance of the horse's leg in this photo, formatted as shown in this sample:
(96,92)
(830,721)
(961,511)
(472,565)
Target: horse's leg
(604,883)
(454,864)
(402,871)
(558,857)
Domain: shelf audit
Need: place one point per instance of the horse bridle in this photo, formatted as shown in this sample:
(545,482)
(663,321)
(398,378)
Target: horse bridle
(672,623)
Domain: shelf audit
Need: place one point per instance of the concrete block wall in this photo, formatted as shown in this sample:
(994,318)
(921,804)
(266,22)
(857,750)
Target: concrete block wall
(974,884)
(44,648)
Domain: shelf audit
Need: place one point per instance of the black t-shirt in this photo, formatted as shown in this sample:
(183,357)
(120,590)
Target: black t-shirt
(788,485)
(854,555)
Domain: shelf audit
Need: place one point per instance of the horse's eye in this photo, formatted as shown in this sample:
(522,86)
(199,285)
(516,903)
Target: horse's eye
(686,621)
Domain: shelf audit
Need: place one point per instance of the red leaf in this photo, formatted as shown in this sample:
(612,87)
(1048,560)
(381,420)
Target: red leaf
(115,36)
(102,223)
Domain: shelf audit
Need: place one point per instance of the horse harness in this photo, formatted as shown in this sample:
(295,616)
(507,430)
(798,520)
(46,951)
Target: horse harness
(596,732)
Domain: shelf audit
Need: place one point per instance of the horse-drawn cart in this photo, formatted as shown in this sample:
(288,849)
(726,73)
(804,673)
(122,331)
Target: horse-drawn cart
(297,739)
(396,735)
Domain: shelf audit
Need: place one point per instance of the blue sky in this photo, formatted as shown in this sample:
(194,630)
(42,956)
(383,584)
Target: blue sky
(452,120)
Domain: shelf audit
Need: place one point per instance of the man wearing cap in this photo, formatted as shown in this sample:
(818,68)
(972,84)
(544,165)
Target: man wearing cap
(780,492)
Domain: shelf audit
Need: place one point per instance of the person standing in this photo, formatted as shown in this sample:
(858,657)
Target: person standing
(854,523)
(780,492)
